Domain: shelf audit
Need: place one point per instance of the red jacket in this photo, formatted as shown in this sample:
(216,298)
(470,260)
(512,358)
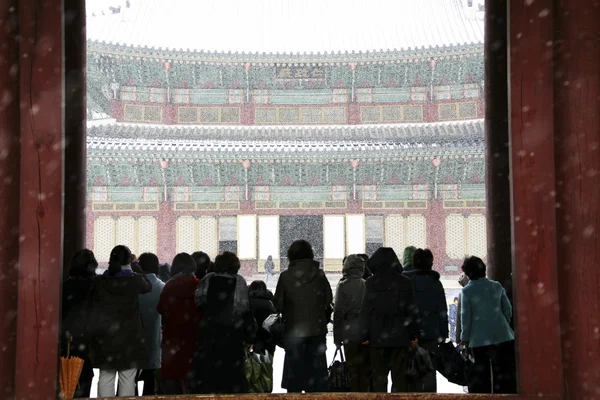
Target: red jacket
(181,319)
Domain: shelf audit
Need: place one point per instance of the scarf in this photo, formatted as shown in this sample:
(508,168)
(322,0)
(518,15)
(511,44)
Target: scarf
(241,300)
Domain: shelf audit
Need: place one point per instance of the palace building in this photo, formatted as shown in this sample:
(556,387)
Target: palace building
(361,131)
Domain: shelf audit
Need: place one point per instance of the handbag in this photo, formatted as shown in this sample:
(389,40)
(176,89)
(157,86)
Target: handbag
(453,363)
(275,325)
(258,369)
(338,374)
(419,364)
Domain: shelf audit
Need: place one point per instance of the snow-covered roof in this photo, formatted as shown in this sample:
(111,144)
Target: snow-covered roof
(455,131)
(285,26)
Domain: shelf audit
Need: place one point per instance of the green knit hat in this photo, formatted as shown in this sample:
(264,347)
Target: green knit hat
(407,256)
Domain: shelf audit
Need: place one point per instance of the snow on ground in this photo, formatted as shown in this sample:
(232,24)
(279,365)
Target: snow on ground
(443,385)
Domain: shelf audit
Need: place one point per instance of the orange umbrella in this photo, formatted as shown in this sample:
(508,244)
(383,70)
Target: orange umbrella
(70,371)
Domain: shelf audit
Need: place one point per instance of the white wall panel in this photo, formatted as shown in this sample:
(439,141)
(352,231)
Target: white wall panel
(355,234)
(268,236)
(416,231)
(246,236)
(207,236)
(147,234)
(455,236)
(334,245)
(104,238)
(186,233)
(477,235)
(126,233)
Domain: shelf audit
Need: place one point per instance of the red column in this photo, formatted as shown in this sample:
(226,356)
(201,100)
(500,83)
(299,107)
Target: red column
(9,194)
(436,233)
(534,205)
(41,201)
(167,233)
(577,202)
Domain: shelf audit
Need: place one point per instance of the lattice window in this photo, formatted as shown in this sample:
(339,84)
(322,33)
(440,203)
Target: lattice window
(207,236)
(450,192)
(126,232)
(374,229)
(266,115)
(182,96)
(405,230)
(129,93)
(413,113)
(232,193)
(420,192)
(369,192)
(150,194)
(477,235)
(99,193)
(339,96)
(443,92)
(147,235)
(418,93)
(261,96)
(416,231)
(364,95)
(181,193)
(312,115)
(471,91)
(455,236)
(262,193)
(186,234)
(104,238)
(394,233)
(338,193)
(235,96)
(334,115)
(467,110)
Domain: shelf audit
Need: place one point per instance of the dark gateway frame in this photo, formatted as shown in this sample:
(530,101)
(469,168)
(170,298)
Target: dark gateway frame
(542,172)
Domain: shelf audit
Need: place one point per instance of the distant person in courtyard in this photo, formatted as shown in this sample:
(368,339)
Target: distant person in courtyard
(433,310)
(119,345)
(269,271)
(303,296)
(392,320)
(226,330)
(75,308)
(148,262)
(452,315)
(202,261)
(181,325)
(349,325)
(485,319)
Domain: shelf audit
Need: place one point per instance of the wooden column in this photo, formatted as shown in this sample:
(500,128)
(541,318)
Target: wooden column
(75,128)
(41,197)
(9,192)
(499,258)
(577,199)
(534,188)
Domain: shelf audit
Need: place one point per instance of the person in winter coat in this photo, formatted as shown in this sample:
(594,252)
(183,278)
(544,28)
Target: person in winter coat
(75,295)
(485,318)
(303,296)
(164,273)
(261,303)
(407,258)
(349,325)
(202,261)
(269,270)
(367,274)
(463,280)
(392,320)
(452,316)
(433,310)
(181,325)
(152,323)
(118,345)
(226,330)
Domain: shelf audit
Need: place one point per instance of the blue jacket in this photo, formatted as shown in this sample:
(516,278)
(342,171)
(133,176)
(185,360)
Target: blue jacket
(485,314)
(431,301)
(151,319)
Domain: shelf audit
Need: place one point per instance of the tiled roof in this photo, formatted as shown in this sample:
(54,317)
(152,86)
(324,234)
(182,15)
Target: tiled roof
(441,132)
(446,138)
(286,26)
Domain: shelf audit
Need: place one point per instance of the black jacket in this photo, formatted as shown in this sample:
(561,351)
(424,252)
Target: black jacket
(303,295)
(431,300)
(117,329)
(349,324)
(391,309)
(262,306)
(76,306)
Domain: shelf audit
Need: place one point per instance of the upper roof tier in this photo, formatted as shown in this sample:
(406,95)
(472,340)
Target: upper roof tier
(286,26)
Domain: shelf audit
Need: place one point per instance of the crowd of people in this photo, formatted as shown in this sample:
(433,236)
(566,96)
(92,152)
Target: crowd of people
(187,328)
